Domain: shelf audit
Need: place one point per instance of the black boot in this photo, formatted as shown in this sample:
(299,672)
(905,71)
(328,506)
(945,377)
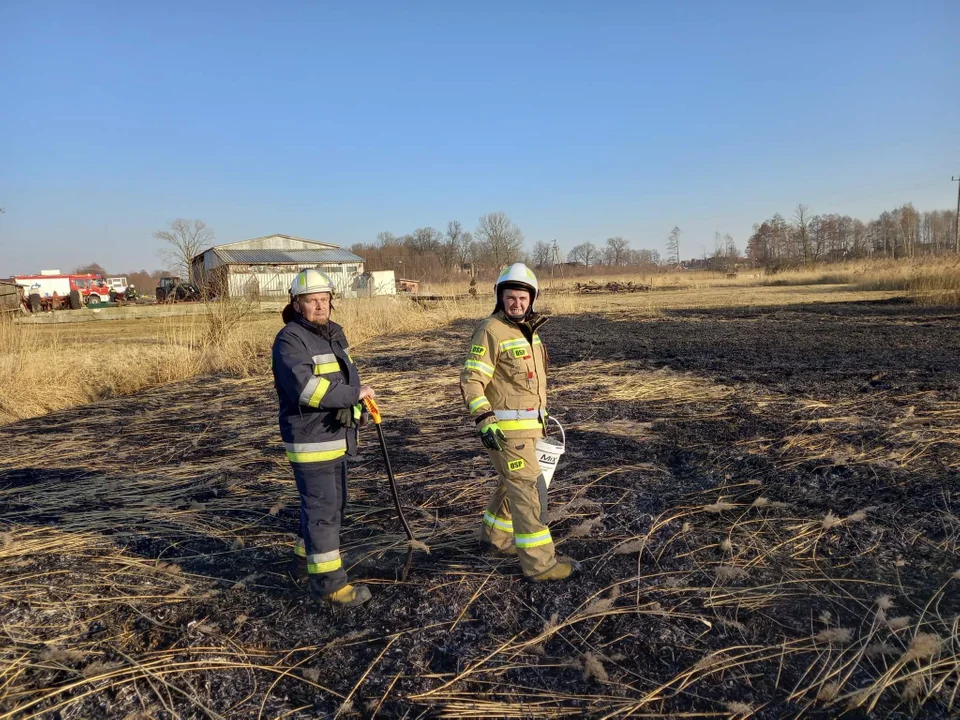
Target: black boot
(298,569)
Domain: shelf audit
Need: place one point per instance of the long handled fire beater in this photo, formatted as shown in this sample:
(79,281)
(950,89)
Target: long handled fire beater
(376,417)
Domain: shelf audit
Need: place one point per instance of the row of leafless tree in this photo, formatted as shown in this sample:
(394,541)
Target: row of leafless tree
(615,253)
(429,254)
(808,238)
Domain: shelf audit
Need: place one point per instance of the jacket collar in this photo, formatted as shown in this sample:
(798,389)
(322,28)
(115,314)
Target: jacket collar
(533,321)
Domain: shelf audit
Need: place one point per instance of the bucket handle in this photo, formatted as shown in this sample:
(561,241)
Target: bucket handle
(563,435)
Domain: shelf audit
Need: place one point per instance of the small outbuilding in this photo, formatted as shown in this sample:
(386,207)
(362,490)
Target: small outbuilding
(264,267)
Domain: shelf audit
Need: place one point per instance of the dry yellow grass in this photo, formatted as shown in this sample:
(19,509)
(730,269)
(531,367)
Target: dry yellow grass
(44,368)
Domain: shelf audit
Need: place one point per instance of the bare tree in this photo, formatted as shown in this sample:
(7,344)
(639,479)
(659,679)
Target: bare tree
(585,253)
(184,240)
(542,254)
(500,239)
(617,250)
(387,239)
(466,249)
(644,257)
(425,240)
(802,217)
(731,246)
(673,246)
(451,251)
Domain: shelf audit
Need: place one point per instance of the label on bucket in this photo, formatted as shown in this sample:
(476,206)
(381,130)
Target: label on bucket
(547,459)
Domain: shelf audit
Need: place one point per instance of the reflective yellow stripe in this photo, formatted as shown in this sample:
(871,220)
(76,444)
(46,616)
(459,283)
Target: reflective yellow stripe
(511,344)
(532,540)
(324,567)
(533,424)
(324,562)
(318,394)
(498,522)
(479,366)
(478,403)
(300,548)
(311,457)
(536,340)
(326,368)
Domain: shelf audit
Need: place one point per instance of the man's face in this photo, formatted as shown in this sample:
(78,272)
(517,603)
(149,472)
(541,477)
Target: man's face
(515,303)
(314,307)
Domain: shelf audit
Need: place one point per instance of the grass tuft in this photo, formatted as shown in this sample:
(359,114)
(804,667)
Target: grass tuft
(593,669)
(924,645)
(835,636)
(830,521)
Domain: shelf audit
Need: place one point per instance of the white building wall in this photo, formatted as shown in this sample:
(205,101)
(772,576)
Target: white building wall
(378,282)
(274,282)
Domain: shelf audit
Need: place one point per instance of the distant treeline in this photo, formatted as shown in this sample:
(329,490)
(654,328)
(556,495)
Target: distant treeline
(807,238)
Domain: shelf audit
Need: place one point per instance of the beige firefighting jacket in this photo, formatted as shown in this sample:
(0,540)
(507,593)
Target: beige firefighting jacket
(504,378)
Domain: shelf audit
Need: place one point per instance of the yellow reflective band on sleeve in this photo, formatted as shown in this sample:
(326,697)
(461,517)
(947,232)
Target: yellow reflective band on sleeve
(478,350)
(495,521)
(536,340)
(516,464)
(477,403)
(324,562)
(300,548)
(479,366)
(319,392)
(326,368)
(531,424)
(513,344)
(532,540)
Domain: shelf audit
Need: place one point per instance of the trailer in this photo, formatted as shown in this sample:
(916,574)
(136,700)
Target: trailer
(53,290)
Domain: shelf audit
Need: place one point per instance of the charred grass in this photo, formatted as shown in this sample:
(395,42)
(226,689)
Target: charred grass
(764,500)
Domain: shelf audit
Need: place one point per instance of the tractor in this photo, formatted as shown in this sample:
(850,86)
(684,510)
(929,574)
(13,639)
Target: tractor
(173,289)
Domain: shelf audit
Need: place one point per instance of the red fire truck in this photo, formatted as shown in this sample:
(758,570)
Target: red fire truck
(52,290)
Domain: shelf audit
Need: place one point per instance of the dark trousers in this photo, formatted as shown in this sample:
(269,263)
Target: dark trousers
(323,499)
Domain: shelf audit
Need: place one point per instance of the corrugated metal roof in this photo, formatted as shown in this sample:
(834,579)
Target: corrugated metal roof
(280,257)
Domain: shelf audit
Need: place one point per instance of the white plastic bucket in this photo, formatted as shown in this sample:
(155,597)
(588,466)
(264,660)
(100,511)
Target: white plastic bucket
(549,452)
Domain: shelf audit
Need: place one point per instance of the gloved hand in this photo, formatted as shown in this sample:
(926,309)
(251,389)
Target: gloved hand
(492,436)
(349,417)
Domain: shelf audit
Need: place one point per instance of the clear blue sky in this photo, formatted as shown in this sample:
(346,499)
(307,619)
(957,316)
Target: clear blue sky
(580,120)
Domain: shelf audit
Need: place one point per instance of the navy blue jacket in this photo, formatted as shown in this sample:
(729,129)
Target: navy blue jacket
(314,376)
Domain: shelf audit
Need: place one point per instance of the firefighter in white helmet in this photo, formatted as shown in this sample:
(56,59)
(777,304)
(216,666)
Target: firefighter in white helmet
(319,390)
(504,386)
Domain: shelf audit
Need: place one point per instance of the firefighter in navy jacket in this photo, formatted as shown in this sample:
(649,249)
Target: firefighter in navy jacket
(320,395)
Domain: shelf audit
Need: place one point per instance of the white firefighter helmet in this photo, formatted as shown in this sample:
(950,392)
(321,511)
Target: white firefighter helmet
(310,281)
(518,276)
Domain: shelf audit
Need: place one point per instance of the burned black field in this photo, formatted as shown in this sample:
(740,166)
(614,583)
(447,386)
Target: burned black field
(765,503)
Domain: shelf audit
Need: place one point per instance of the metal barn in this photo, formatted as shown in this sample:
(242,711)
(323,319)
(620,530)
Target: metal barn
(264,267)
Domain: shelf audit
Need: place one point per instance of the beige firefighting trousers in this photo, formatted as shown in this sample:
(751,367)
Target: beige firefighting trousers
(517,511)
